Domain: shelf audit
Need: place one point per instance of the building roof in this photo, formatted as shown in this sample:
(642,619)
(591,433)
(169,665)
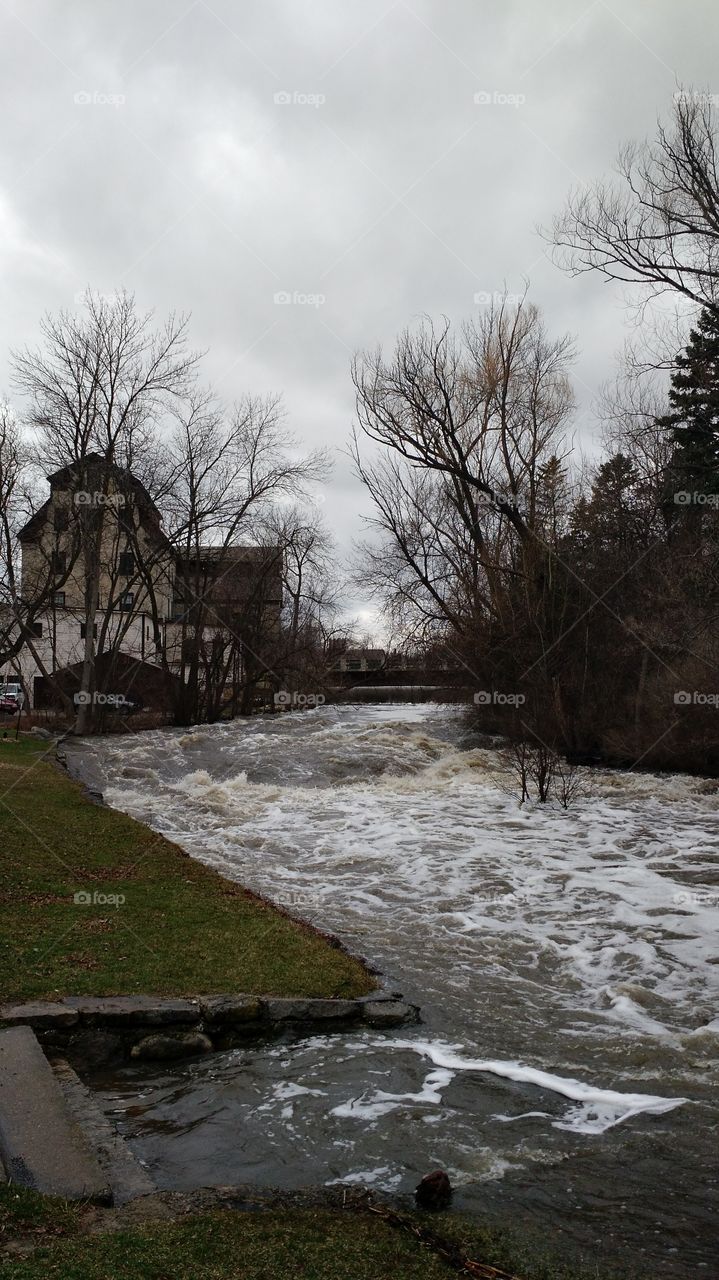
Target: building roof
(134,677)
(246,554)
(61,478)
(93,463)
(35,524)
(363,653)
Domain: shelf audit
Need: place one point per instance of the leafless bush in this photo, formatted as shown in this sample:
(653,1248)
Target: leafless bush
(542,773)
(567,782)
(518,758)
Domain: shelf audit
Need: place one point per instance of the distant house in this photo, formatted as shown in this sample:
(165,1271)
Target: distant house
(53,551)
(234,595)
(147,591)
(361,660)
(228,581)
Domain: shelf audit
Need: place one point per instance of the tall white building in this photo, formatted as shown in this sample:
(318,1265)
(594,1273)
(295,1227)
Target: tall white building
(134,559)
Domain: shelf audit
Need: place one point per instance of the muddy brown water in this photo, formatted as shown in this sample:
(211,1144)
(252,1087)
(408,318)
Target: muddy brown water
(566,962)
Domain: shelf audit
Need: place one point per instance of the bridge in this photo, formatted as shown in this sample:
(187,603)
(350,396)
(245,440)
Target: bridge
(408,684)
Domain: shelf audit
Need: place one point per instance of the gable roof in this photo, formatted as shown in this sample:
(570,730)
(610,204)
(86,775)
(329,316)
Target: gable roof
(96,463)
(35,524)
(92,463)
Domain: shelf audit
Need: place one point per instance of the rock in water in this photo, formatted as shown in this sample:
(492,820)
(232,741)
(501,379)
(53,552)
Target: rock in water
(434,1191)
(159,1047)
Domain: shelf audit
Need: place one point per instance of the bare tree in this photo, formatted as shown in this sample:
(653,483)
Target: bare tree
(481,411)
(469,427)
(567,782)
(13,513)
(226,473)
(97,392)
(312,589)
(658,225)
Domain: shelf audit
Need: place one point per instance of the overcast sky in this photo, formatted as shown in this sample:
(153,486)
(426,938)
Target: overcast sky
(211,156)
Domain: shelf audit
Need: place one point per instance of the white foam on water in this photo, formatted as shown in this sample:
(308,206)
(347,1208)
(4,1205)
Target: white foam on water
(590,934)
(627,1011)
(585,940)
(379,1103)
(599,1109)
(595,891)
(289,1089)
(382,1177)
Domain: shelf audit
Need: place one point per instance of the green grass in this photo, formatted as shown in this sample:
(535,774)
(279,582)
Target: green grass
(313,1244)
(25,1212)
(181,930)
(46,1239)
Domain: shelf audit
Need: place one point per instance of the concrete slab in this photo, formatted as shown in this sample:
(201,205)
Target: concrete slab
(310,1010)
(41,1145)
(130,1011)
(126,1176)
(389,1013)
(38,1013)
(232,1008)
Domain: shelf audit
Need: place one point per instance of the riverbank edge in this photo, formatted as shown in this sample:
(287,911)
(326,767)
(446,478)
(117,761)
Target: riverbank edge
(45,1230)
(383,983)
(96,1031)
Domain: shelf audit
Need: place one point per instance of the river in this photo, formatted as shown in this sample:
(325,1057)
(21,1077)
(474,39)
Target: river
(566,963)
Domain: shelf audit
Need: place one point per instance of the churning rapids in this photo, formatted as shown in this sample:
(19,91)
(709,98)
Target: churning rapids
(566,963)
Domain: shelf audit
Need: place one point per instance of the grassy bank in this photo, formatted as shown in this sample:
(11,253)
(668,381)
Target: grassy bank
(262,1246)
(157,921)
(43,1239)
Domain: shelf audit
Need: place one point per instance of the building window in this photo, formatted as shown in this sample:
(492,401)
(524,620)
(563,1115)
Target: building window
(59,599)
(83,630)
(36,629)
(58,562)
(124,517)
(127,562)
(61,519)
(127,601)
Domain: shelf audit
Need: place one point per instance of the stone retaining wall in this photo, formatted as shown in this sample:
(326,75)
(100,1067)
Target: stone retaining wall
(94,1031)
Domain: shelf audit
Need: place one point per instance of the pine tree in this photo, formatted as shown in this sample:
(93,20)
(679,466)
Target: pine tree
(694,416)
(611,524)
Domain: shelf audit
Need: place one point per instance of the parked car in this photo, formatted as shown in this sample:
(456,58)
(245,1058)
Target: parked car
(11,697)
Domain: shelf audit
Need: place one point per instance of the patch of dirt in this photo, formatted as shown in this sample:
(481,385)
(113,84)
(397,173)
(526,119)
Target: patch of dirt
(103,875)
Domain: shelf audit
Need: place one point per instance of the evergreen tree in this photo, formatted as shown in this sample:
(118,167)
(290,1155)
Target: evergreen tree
(611,526)
(694,415)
